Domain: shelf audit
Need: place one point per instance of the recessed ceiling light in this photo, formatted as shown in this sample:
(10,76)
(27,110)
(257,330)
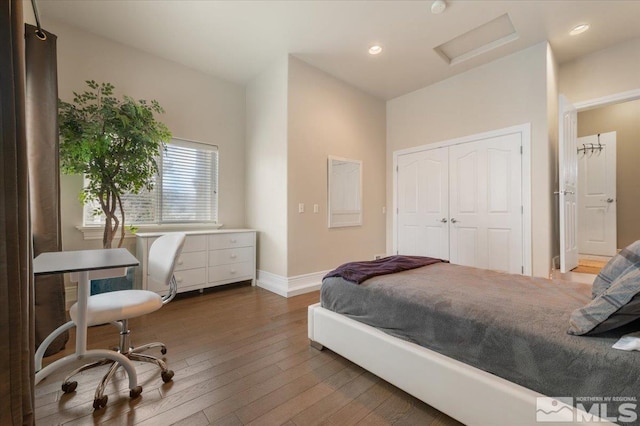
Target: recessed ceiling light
(376,49)
(438,6)
(579,29)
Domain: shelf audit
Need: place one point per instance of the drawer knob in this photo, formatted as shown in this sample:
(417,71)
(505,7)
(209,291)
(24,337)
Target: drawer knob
(233,271)
(180,261)
(233,241)
(179,279)
(233,256)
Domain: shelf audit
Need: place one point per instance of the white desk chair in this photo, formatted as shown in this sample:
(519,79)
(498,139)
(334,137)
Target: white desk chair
(118,306)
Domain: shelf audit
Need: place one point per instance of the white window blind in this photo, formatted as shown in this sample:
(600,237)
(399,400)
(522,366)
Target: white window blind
(185,190)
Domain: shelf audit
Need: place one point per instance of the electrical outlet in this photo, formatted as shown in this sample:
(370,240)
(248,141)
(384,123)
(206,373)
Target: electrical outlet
(316,209)
(301,208)
(378,256)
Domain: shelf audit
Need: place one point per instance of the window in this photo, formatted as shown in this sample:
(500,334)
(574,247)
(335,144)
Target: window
(185,190)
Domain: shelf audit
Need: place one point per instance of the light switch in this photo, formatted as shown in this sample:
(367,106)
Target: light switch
(384,210)
(301,208)
(315,208)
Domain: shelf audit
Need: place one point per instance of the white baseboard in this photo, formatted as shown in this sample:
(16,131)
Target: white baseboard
(286,287)
(290,286)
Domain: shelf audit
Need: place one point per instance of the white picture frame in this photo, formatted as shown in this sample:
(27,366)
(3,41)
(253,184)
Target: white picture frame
(344,192)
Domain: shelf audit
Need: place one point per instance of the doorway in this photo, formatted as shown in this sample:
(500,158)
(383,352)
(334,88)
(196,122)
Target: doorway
(620,114)
(624,119)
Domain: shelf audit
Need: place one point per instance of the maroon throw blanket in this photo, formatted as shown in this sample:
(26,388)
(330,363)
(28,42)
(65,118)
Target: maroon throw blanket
(358,272)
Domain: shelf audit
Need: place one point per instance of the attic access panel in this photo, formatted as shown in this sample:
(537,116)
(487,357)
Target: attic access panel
(479,40)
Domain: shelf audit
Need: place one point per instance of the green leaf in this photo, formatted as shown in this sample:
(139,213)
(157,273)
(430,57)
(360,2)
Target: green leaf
(113,142)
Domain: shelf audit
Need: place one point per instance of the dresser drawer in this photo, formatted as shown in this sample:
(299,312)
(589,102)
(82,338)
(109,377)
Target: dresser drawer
(223,241)
(191,243)
(193,260)
(194,243)
(183,278)
(190,277)
(242,270)
(227,256)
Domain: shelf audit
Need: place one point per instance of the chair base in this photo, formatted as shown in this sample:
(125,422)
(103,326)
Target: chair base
(134,354)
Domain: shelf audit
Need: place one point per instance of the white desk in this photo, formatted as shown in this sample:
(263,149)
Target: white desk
(84,266)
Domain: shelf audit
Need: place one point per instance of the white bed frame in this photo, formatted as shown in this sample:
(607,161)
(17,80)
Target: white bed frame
(470,395)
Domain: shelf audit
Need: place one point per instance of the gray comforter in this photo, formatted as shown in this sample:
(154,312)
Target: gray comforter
(512,326)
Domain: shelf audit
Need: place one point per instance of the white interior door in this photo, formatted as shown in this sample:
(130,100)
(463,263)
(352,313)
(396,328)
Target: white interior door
(597,231)
(486,204)
(423,203)
(568,172)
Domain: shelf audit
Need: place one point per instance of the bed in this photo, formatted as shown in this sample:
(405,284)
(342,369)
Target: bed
(482,346)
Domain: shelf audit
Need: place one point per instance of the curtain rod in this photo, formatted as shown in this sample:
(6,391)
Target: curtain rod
(41,34)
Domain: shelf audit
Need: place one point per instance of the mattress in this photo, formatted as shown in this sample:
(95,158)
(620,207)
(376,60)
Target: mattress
(509,325)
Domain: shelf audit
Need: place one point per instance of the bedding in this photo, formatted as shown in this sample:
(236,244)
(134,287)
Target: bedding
(629,257)
(616,306)
(358,272)
(508,325)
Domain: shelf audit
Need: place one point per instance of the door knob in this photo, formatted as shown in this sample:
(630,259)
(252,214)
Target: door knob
(443,220)
(453,220)
(609,200)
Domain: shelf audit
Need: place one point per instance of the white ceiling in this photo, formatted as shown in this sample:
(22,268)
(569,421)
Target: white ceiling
(236,40)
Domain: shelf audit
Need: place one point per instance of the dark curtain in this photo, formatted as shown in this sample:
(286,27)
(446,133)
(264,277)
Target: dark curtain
(16,277)
(44,178)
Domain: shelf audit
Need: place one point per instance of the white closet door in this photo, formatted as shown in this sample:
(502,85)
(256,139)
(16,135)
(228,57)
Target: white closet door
(423,200)
(486,204)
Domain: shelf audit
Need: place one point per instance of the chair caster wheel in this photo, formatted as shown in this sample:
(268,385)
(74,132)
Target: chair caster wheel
(135,392)
(163,350)
(101,402)
(68,387)
(167,376)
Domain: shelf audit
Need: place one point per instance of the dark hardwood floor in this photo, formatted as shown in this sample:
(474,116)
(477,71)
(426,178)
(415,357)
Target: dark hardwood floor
(240,356)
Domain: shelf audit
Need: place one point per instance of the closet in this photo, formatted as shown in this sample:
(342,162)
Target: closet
(463,202)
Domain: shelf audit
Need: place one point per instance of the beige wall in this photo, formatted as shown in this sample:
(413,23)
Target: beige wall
(624,119)
(509,91)
(27,13)
(329,117)
(198,107)
(553,134)
(266,165)
(609,71)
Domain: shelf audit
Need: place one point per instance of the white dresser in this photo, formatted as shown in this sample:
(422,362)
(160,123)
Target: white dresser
(209,258)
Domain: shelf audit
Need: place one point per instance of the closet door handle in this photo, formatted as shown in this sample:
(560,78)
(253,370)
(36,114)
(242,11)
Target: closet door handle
(453,220)
(443,220)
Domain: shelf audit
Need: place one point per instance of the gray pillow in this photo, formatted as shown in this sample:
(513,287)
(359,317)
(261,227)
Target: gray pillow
(618,264)
(610,309)
(625,315)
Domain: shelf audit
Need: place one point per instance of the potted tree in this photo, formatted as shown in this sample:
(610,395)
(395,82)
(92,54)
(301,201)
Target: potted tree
(114,143)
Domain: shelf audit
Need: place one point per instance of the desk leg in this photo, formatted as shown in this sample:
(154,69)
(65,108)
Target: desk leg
(81,320)
(50,338)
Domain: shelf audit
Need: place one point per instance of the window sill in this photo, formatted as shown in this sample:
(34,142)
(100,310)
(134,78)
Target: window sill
(96,232)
